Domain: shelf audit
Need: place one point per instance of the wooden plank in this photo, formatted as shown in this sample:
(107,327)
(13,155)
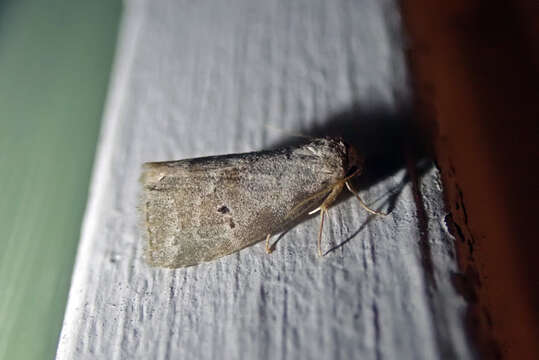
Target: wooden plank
(201,78)
(481,59)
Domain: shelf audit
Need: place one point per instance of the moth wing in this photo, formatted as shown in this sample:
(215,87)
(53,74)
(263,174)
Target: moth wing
(201,209)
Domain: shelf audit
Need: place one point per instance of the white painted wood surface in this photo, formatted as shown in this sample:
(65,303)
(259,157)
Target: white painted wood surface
(195,78)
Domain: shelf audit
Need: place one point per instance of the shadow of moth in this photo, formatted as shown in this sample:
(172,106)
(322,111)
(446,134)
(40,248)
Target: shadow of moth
(198,210)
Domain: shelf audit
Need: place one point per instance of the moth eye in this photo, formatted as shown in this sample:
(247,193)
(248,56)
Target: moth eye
(223,210)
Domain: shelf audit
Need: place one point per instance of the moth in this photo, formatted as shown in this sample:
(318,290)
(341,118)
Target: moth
(198,210)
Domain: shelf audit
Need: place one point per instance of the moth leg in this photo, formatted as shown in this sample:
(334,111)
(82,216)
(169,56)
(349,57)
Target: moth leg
(362,202)
(323,210)
(305,201)
(319,244)
(315,210)
(268,247)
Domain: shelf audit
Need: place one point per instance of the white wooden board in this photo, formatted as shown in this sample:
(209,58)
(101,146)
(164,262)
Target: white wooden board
(195,78)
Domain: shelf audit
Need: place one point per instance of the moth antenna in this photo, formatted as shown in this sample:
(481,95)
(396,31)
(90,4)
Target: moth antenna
(362,202)
(322,214)
(355,173)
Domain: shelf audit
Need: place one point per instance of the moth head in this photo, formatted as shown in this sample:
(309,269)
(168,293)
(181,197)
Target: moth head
(355,160)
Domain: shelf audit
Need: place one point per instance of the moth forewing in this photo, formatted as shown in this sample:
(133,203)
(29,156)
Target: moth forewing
(201,209)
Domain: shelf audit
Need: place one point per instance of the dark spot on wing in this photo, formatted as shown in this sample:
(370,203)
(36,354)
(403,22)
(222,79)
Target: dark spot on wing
(223,210)
(231,223)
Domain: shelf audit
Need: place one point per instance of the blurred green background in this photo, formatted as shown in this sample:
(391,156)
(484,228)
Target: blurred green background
(55,60)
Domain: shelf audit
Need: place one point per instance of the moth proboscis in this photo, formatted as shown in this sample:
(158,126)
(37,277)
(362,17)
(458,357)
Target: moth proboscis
(198,210)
